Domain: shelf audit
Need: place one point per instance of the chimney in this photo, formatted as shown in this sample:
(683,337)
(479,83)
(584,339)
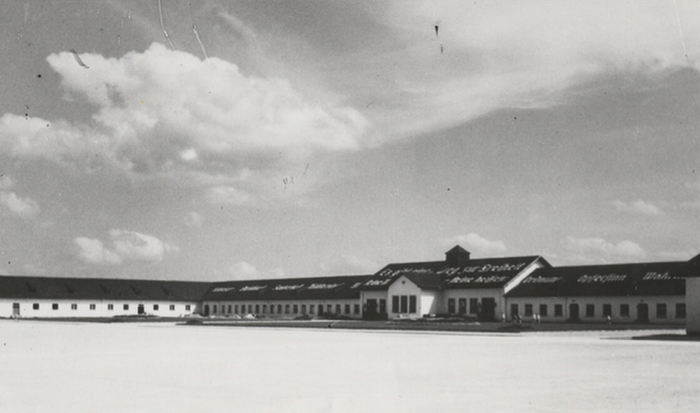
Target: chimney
(457,257)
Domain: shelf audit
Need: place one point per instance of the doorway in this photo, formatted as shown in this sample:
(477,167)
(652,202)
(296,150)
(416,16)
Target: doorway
(15,310)
(574,313)
(206,310)
(488,309)
(141,309)
(643,313)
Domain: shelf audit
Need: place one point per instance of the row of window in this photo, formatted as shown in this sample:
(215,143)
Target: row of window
(459,306)
(293,309)
(55,306)
(404,304)
(590,310)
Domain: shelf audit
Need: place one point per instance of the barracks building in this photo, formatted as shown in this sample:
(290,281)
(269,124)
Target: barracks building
(524,288)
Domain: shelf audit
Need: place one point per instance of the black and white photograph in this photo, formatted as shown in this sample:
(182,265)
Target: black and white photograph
(349,206)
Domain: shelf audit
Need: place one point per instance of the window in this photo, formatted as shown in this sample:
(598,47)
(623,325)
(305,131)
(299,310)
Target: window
(680,310)
(357,309)
(229,309)
(295,309)
(188,307)
(412,304)
(347,308)
(93,306)
(395,304)
(660,310)
(235,308)
(286,309)
(110,307)
(558,310)
(382,306)
(126,307)
(74,306)
(404,303)
(303,308)
(514,310)
(463,306)
(155,307)
(279,309)
(172,308)
(624,310)
(264,308)
(590,310)
(329,308)
(257,308)
(54,306)
(543,310)
(214,309)
(338,307)
(242,308)
(607,310)
(528,310)
(272,309)
(474,306)
(451,305)
(36,307)
(312,309)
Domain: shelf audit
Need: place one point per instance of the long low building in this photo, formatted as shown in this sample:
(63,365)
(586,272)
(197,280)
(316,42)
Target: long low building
(620,293)
(285,298)
(48,297)
(503,288)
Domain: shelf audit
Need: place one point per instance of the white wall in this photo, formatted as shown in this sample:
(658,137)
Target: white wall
(598,302)
(101,308)
(692,298)
(427,301)
(263,306)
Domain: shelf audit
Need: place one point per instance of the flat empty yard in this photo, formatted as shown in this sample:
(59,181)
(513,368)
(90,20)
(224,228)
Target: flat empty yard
(158,367)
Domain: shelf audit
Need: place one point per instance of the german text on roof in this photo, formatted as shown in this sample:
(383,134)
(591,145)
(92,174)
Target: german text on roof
(643,279)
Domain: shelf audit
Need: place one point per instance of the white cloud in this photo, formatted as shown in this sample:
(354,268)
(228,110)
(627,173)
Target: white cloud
(228,195)
(125,246)
(18,206)
(477,244)
(6,182)
(92,251)
(526,54)
(637,207)
(167,113)
(193,219)
(595,249)
(242,270)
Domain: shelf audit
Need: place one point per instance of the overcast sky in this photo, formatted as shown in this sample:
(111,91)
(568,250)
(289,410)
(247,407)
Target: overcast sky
(217,140)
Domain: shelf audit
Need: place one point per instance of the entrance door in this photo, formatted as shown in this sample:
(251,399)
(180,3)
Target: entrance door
(206,310)
(142,310)
(371,311)
(382,306)
(573,313)
(488,309)
(15,310)
(643,313)
(320,309)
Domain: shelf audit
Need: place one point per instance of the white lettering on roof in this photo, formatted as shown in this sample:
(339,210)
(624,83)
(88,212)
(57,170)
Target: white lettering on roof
(602,278)
(252,288)
(373,283)
(223,289)
(392,272)
(541,280)
(655,276)
(479,280)
(288,287)
(317,286)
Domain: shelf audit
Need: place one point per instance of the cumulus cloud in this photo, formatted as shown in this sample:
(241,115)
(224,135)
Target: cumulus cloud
(168,113)
(125,246)
(193,219)
(593,249)
(478,244)
(92,251)
(18,206)
(637,207)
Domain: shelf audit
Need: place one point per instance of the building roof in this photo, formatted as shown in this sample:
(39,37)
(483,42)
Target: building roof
(24,287)
(475,273)
(317,288)
(643,279)
(691,268)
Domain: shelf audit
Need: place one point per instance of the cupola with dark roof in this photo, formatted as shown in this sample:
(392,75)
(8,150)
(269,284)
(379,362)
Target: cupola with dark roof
(457,257)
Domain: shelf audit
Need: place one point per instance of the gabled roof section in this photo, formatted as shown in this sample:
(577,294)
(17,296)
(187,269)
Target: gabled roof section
(100,289)
(643,279)
(338,287)
(690,269)
(477,273)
